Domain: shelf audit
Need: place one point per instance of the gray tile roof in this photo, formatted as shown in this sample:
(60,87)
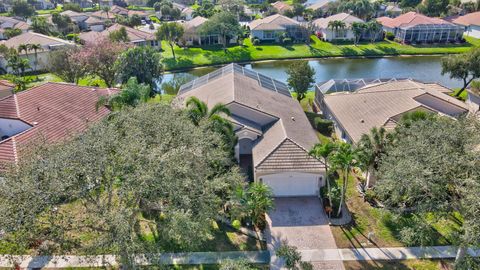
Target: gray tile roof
(292,124)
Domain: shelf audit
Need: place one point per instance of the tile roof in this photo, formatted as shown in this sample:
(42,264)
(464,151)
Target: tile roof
(273,22)
(319,4)
(194,23)
(282,6)
(348,19)
(46,42)
(290,127)
(410,19)
(468,19)
(8,22)
(134,35)
(6,88)
(55,111)
(374,105)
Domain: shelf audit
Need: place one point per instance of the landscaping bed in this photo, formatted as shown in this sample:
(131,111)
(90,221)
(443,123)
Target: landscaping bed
(211,55)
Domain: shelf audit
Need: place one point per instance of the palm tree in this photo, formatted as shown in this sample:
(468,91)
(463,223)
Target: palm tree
(132,94)
(372,147)
(374,28)
(324,151)
(35,48)
(358,28)
(259,200)
(344,158)
(335,25)
(105,9)
(23,47)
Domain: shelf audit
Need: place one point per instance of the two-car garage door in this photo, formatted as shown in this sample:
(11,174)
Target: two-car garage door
(290,184)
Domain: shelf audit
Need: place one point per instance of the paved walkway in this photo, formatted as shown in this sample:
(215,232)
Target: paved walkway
(320,258)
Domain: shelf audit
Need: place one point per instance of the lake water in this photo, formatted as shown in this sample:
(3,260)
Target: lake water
(422,68)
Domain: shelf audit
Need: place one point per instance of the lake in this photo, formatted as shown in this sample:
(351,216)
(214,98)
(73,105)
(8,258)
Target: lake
(422,68)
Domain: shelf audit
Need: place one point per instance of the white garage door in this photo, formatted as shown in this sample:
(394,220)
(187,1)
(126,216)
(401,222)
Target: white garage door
(293,184)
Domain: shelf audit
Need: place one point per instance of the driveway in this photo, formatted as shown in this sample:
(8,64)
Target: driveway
(302,223)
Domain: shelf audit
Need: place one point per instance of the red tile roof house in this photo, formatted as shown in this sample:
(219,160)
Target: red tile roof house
(52,112)
(471,22)
(414,28)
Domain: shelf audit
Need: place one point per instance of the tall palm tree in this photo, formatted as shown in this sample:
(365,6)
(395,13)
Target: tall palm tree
(344,158)
(358,28)
(372,147)
(23,47)
(324,151)
(374,28)
(35,48)
(335,26)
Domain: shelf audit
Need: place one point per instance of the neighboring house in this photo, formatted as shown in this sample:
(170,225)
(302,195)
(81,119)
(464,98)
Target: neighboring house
(119,11)
(102,15)
(380,104)
(389,10)
(43,4)
(11,23)
(274,135)
(136,37)
(77,18)
(414,27)
(282,7)
(95,24)
(327,33)
(272,27)
(192,34)
(6,89)
(46,42)
(53,112)
(187,13)
(471,22)
(82,3)
(319,5)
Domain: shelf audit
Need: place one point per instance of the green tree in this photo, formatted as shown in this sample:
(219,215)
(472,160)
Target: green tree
(363,9)
(132,94)
(432,167)
(12,32)
(35,48)
(374,28)
(224,24)
(142,62)
(22,8)
(358,28)
(235,265)
(323,152)
(72,7)
(409,3)
(300,78)
(258,201)
(170,32)
(40,25)
(63,22)
(206,9)
(172,86)
(335,26)
(68,64)
(119,35)
(344,159)
(122,174)
(465,67)
(434,7)
(292,257)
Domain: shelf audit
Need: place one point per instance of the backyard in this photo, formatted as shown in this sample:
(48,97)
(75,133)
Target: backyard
(201,56)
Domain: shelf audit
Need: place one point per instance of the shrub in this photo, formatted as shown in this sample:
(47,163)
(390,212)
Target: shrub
(236,224)
(370,195)
(323,126)
(286,40)
(390,36)
(256,41)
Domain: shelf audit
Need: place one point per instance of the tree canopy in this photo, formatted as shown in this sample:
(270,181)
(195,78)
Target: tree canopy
(145,180)
(465,67)
(224,24)
(171,32)
(22,8)
(300,78)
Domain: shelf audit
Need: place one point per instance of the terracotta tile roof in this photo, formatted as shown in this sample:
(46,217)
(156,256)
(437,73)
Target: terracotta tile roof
(410,19)
(273,22)
(8,22)
(468,19)
(6,89)
(55,111)
(282,6)
(194,23)
(134,35)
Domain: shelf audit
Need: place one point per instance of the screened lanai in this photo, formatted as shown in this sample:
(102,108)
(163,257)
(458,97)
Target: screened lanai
(436,33)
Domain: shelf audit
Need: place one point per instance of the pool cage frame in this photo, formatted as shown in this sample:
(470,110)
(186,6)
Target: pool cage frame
(425,33)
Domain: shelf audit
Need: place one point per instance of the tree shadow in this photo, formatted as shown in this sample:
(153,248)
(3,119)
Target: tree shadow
(347,51)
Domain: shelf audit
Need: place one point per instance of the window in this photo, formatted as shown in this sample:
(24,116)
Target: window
(268,34)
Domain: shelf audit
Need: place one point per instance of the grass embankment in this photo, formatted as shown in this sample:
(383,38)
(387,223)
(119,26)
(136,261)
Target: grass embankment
(196,56)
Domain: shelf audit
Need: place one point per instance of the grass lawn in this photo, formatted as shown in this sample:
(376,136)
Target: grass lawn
(379,221)
(462,96)
(50,11)
(196,56)
(399,265)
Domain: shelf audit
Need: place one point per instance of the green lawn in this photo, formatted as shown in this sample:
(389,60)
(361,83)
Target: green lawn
(196,56)
(386,230)
(399,265)
(49,11)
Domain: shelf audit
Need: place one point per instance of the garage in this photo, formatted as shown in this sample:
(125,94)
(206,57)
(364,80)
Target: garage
(290,184)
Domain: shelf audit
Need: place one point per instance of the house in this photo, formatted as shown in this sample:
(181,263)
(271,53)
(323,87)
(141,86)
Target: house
(414,27)
(471,22)
(272,27)
(119,11)
(322,5)
(192,35)
(52,112)
(274,135)
(326,33)
(82,3)
(94,24)
(380,103)
(136,37)
(282,7)
(43,4)
(41,60)
(11,23)
(187,13)
(77,18)
(6,89)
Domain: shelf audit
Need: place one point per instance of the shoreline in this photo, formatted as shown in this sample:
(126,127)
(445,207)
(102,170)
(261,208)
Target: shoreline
(307,58)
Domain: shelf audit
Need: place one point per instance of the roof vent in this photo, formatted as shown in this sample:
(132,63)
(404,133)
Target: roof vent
(293,118)
(362,121)
(38,108)
(35,123)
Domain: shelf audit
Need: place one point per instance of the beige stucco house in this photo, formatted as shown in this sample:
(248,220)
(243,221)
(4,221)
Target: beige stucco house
(274,135)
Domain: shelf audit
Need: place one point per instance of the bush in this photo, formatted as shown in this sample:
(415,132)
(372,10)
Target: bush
(370,195)
(390,36)
(286,40)
(323,126)
(256,41)
(236,224)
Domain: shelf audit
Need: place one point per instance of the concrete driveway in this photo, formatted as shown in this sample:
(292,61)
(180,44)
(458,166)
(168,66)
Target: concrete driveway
(301,222)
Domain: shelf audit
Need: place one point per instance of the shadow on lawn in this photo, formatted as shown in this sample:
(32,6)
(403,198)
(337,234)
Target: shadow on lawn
(180,62)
